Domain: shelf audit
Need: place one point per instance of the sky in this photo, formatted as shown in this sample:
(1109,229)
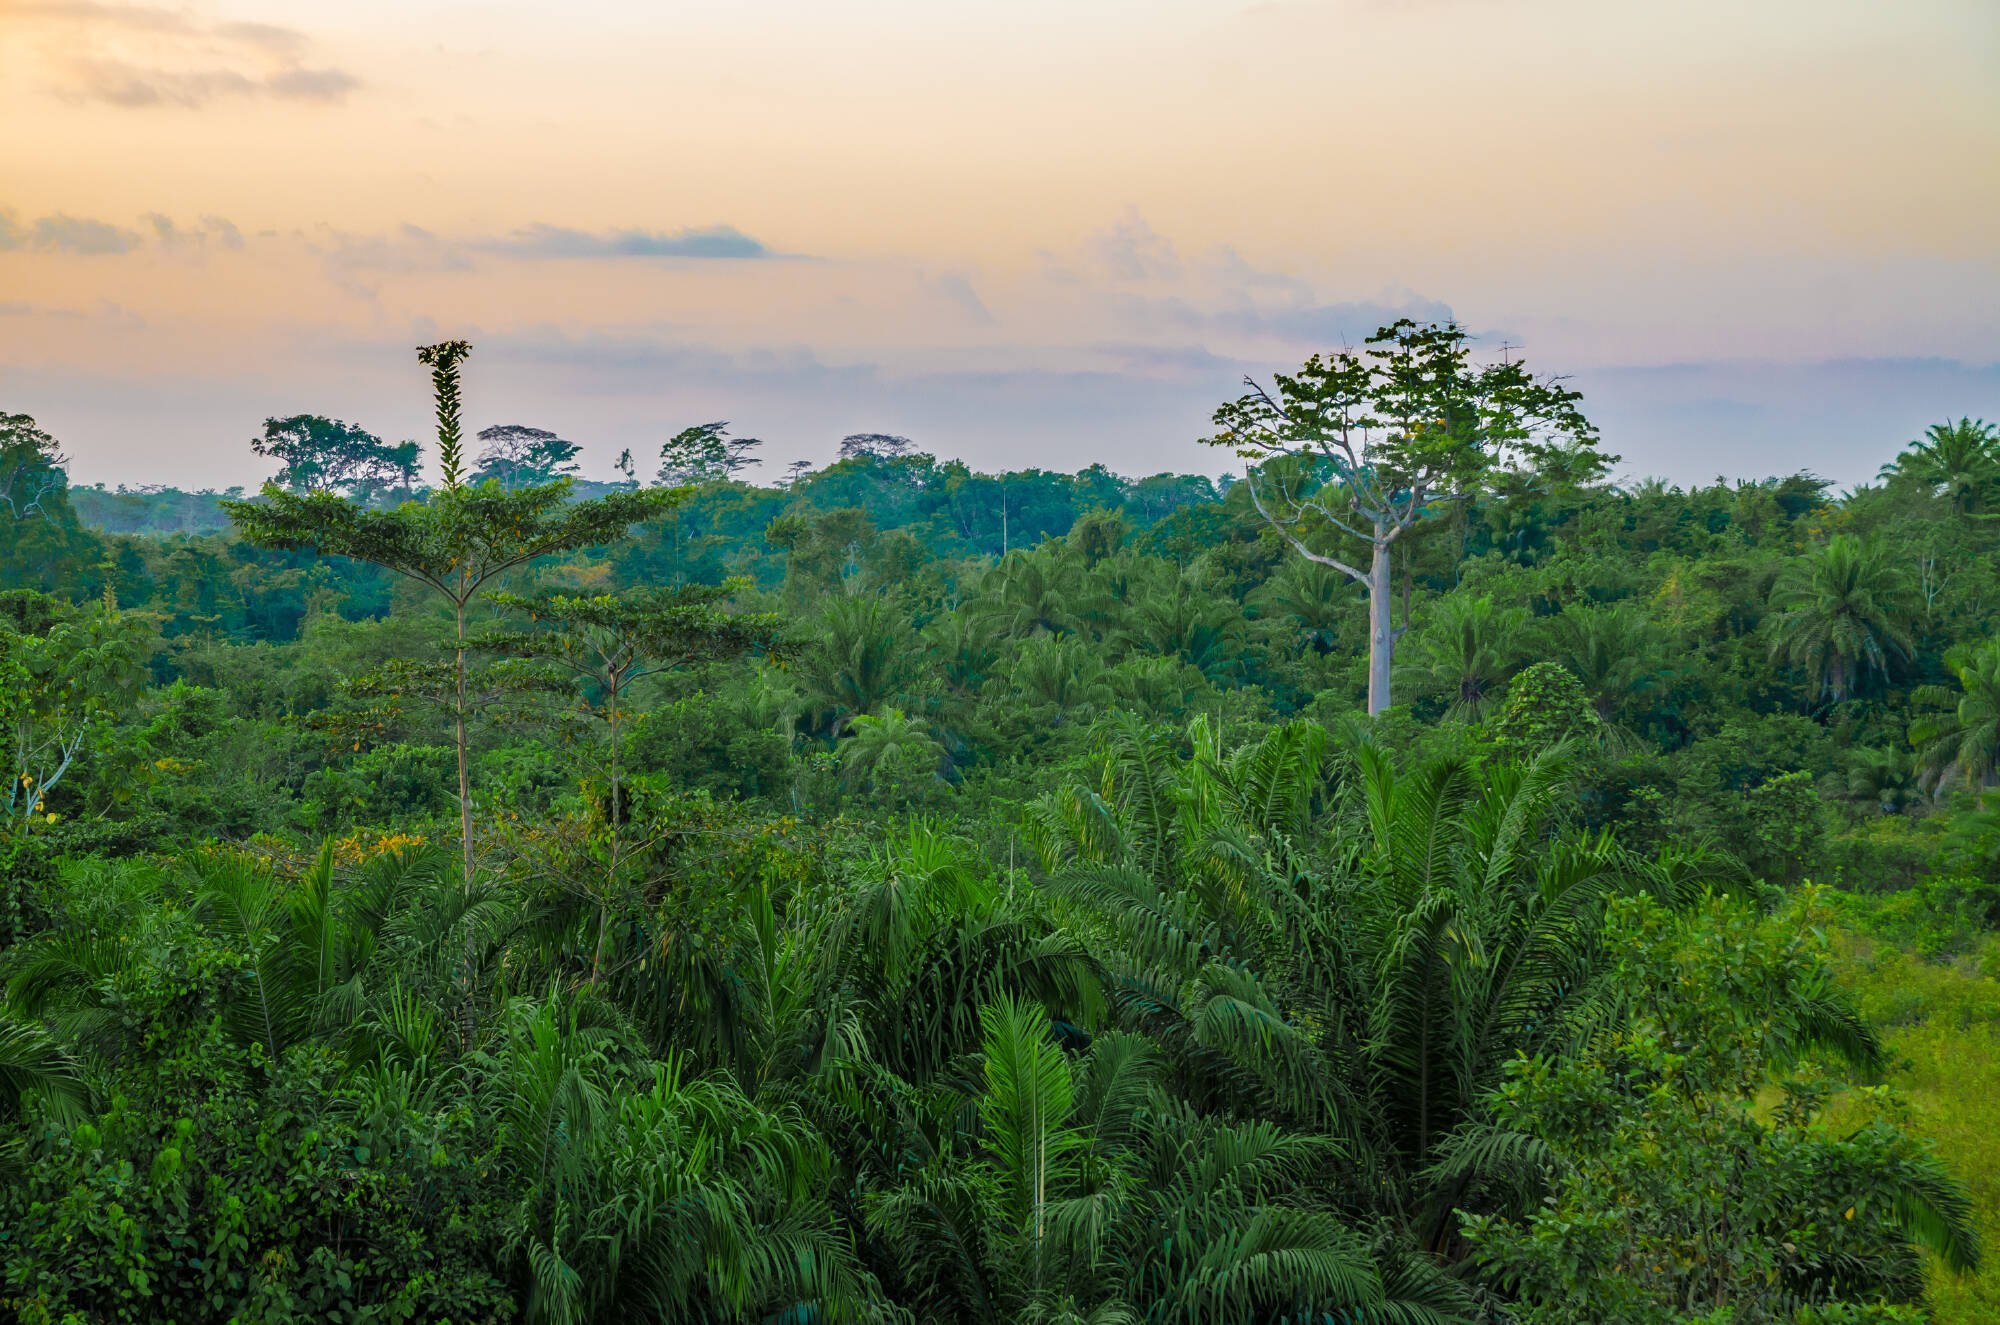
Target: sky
(1758,237)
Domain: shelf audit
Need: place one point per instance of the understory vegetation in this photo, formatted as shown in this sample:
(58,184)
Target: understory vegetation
(1414,879)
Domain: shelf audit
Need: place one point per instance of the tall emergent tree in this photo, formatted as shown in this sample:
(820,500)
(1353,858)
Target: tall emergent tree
(607,642)
(42,544)
(1360,447)
(456,542)
(327,455)
(517,456)
(706,452)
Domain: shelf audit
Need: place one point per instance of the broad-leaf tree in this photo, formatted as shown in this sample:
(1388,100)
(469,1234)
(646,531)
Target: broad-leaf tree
(328,455)
(517,456)
(1358,448)
(706,452)
(65,675)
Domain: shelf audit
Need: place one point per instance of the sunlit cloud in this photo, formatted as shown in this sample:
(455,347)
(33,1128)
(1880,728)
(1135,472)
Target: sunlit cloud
(61,233)
(177,238)
(143,56)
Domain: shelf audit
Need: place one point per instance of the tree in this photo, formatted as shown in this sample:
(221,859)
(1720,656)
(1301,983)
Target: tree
(1469,647)
(1959,462)
(65,675)
(1667,1195)
(1842,614)
(892,755)
(1364,446)
(704,453)
(456,543)
(31,467)
(42,543)
(608,642)
(1202,629)
(1605,648)
(520,457)
(1313,596)
(1030,593)
(880,445)
(863,659)
(326,455)
(1546,707)
(1375,1000)
(1964,744)
(1059,675)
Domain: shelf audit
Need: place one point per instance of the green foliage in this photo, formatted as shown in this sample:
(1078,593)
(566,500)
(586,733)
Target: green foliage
(1963,745)
(65,675)
(1671,1194)
(1546,707)
(1842,614)
(1195,995)
(327,455)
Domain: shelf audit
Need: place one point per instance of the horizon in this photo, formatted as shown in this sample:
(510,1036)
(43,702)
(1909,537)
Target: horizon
(1766,246)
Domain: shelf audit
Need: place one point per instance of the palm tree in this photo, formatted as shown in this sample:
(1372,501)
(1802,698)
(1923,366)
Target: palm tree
(1469,649)
(864,659)
(965,646)
(1841,614)
(1886,779)
(33,1064)
(1318,598)
(1157,687)
(1060,673)
(1964,744)
(679,1200)
(889,752)
(1030,593)
(1957,461)
(1200,629)
(1603,648)
(1374,992)
(1090,1194)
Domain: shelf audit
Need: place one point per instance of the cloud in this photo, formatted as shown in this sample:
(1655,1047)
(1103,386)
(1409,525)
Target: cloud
(143,56)
(957,289)
(350,261)
(549,241)
(62,233)
(173,238)
(1131,250)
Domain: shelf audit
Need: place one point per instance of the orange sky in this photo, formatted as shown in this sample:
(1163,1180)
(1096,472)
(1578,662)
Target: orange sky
(1762,236)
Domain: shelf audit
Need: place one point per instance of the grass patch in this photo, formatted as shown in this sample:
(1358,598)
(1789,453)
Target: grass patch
(1941,1024)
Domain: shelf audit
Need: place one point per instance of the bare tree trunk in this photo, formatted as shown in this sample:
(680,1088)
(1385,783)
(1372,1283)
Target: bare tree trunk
(1381,634)
(468,1016)
(611,878)
(464,773)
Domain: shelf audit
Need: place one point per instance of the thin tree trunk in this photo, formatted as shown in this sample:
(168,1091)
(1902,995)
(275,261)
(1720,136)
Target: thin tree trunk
(1381,635)
(611,878)
(464,773)
(467,1015)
